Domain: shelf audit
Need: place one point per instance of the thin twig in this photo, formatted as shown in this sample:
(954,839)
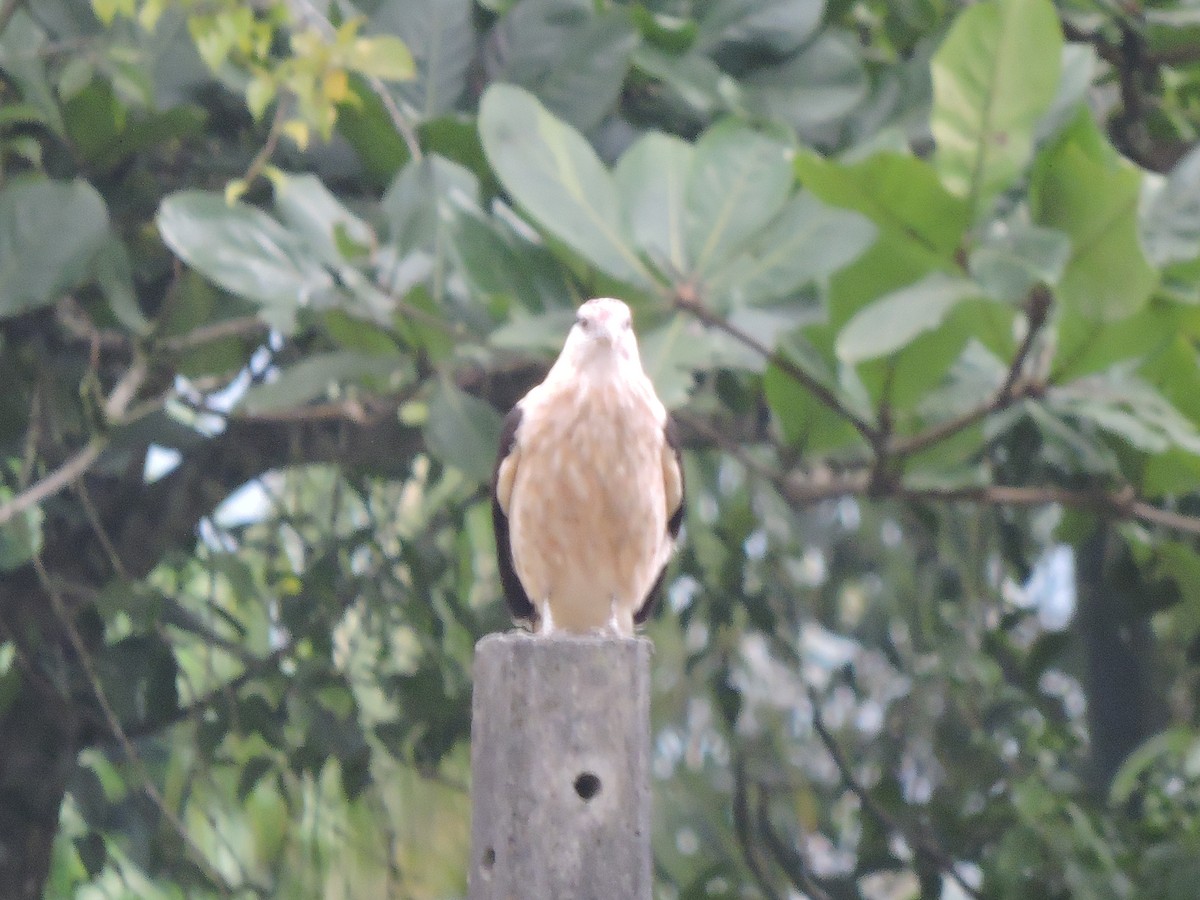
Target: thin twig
(243,326)
(744,831)
(801,489)
(1014,388)
(922,842)
(710,319)
(114,724)
(53,483)
(788,858)
(283,108)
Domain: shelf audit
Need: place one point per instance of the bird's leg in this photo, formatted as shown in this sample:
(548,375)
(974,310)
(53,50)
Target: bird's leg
(620,622)
(546,624)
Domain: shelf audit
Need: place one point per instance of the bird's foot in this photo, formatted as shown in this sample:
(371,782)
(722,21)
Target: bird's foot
(545,626)
(620,622)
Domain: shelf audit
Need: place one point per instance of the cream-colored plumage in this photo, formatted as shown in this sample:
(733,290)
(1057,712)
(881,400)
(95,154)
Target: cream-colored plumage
(588,487)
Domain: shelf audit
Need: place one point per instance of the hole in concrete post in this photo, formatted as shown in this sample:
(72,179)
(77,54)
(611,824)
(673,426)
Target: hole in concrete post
(587,785)
(487,863)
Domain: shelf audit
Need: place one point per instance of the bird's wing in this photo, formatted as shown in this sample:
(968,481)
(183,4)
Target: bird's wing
(672,469)
(672,463)
(503,477)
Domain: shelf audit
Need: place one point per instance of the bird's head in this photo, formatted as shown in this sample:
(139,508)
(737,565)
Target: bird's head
(603,333)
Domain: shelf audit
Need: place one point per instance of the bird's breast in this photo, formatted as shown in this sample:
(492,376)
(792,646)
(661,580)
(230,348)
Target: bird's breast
(588,516)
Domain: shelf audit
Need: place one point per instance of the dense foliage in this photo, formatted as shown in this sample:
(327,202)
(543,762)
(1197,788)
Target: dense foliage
(920,280)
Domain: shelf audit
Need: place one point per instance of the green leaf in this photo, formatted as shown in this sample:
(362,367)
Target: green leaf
(1172,743)
(652,178)
(1169,223)
(818,85)
(384,56)
(554,174)
(49,233)
(21,59)
(1124,405)
(368,128)
(808,241)
(442,37)
(113,274)
(353,333)
(317,377)
(310,211)
(895,320)
(691,80)
(804,420)
(462,431)
(1081,188)
(420,200)
(900,194)
(993,77)
(1087,345)
(781,26)
(543,333)
(738,182)
(138,676)
(244,251)
(673,353)
(21,536)
(571,56)
(1009,264)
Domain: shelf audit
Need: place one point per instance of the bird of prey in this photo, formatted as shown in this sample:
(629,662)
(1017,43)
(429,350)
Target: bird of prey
(587,495)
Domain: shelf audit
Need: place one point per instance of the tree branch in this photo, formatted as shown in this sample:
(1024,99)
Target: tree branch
(743,830)
(1014,387)
(788,859)
(53,483)
(707,317)
(921,842)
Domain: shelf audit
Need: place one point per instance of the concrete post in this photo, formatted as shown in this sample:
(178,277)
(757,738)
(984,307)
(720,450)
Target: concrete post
(560,768)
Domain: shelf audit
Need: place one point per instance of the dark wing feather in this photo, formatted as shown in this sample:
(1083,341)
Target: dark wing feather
(675,520)
(674,523)
(514,591)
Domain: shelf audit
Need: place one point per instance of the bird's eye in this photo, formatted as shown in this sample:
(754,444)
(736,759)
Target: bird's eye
(627,324)
(583,322)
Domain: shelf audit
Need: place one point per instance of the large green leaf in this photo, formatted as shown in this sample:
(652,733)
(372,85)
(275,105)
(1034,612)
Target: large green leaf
(311,211)
(441,37)
(568,54)
(21,60)
(901,194)
(319,375)
(462,431)
(1124,405)
(691,81)
(1081,188)
(1007,265)
(415,206)
(819,84)
(894,321)
(808,241)
(780,25)
(553,173)
(243,250)
(49,233)
(652,179)
(738,183)
(993,77)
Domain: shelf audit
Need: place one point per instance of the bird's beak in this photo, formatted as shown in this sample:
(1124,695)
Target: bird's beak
(608,329)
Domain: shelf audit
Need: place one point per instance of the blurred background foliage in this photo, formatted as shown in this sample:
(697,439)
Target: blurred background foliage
(920,280)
